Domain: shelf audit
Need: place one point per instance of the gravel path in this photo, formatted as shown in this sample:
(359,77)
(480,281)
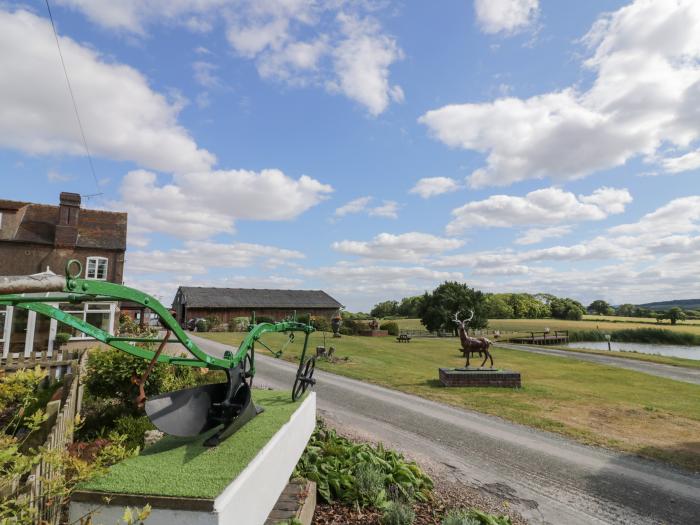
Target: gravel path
(679,373)
(545,477)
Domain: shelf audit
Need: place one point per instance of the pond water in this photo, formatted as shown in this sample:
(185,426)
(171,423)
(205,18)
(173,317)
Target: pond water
(687,352)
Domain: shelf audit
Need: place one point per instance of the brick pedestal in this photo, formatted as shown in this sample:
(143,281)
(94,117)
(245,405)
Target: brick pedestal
(479,377)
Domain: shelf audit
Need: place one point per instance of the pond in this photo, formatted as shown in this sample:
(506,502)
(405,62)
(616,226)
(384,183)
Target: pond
(686,352)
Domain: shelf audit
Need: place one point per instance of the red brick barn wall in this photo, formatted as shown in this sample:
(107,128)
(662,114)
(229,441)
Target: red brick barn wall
(226,314)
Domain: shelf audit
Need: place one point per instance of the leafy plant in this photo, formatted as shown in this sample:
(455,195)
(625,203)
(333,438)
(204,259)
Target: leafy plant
(398,513)
(202,325)
(369,485)
(133,428)
(392,327)
(61,339)
(473,517)
(347,471)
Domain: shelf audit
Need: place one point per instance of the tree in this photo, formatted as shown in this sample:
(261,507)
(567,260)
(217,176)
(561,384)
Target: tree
(565,308)
(625,310)
(600,307)
(385,309)
(498,307)
(410,306)
(675,314)
(437,308)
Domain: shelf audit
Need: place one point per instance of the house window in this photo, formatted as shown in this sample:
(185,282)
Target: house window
(3,317)
(96,268)
(99,315)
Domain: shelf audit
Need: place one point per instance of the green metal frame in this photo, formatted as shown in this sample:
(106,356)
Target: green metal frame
(78,291)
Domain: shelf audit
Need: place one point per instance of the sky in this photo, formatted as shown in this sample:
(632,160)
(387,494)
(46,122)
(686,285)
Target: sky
(369,148)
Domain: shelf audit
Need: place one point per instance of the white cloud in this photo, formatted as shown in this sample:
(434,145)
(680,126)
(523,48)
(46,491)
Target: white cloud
(537,235)
(432,186)
(133,16)
(645,96)
(507,16)
(678,216)
(539,207)
(412,246)
(362,60)
(200,205)
(199,257)
(347,37)
(54,176)
(354,206)
(138,124)
(689,161)
(205,74)
(388,210)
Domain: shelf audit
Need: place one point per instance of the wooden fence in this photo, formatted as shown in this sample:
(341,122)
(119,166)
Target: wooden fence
(57,365)
(35,488)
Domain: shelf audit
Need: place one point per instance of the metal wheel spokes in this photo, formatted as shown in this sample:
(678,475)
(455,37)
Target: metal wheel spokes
(246,368)
(305,378)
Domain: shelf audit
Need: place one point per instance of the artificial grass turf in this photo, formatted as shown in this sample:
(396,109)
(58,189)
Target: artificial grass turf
(184,467)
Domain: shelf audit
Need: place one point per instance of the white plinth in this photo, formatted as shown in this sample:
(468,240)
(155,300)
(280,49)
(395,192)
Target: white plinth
(249,498)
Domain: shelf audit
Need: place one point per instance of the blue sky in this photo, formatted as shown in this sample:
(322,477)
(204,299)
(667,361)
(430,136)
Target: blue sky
(370,148)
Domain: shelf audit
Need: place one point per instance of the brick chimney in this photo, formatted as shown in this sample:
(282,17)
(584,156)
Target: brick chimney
(68,216)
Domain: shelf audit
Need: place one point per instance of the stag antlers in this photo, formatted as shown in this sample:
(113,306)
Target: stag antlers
(461,323)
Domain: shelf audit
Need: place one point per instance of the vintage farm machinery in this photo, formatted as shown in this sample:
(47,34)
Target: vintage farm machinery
(187,412)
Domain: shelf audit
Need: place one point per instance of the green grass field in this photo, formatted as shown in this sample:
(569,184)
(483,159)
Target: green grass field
(184,467)
(595,404)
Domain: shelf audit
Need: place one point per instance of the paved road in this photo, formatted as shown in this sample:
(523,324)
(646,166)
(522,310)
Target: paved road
(679,373)
(550,479)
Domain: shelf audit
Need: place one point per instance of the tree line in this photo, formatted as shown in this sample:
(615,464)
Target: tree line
(436,309)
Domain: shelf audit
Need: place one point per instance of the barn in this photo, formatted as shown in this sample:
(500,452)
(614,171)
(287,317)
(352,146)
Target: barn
(192,302)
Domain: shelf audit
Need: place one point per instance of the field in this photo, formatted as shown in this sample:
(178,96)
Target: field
(590,322)
(594,404)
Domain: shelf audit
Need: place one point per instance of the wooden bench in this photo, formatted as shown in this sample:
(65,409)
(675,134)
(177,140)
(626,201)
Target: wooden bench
(404,338)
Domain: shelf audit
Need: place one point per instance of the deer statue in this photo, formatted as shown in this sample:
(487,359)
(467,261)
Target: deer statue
(472,345)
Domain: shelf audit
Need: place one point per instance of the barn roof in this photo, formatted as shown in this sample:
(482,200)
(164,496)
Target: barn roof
(202,297)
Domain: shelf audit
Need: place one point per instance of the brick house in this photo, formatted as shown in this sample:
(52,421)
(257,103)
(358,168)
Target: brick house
(35,238)
(228,303)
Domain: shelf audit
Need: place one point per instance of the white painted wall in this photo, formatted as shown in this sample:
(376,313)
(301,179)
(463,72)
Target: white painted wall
(249,499)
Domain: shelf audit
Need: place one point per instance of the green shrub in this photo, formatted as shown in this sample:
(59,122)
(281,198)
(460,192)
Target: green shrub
(61,339)
(133,428)
(398,513)
(369,485)
(391,327)
(638,335)
(109,375)
(345,331)
(262,319)
(335,464)
(473,517)
(459,517)
(202,325)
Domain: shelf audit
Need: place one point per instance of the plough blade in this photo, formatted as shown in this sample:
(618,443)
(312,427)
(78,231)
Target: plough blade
(185,412)
(193,411)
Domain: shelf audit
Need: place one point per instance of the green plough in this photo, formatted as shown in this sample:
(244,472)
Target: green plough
(188,412)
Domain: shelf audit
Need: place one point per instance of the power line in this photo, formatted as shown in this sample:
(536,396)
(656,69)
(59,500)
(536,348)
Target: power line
(72,97)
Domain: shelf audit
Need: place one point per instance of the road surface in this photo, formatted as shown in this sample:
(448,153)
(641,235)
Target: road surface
(679,373)
(549,479)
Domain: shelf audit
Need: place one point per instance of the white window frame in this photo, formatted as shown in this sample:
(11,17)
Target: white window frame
(97,261)
(109,308)
(5,335)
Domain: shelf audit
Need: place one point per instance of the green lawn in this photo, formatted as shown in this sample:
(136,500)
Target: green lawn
(661,359)
(594,404)
(184,467)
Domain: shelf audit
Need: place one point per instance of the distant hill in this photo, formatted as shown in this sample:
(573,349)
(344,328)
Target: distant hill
(685,304)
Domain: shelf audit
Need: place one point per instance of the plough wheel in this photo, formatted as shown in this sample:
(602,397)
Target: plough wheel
(247,365)
(305,378)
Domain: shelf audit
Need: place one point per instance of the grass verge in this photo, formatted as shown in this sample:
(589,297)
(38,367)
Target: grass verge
(594,404)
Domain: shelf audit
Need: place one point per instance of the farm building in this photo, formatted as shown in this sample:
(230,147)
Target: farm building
(228,303)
